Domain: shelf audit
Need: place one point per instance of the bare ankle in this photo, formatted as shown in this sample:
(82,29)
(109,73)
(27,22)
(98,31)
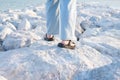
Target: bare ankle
(49,36)
(65,41)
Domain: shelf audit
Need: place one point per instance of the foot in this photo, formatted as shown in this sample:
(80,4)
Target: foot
(67,44)
(49,37)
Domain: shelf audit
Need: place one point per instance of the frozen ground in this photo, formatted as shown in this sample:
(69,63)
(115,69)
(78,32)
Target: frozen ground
(24,55)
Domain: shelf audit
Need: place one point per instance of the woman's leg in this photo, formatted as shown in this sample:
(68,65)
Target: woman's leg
(67,19)
(52,10)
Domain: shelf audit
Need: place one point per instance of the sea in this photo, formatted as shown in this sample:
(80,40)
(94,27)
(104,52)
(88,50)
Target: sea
(20,4)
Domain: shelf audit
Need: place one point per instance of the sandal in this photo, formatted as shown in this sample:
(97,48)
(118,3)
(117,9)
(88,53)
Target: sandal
(69,45)
(48,39)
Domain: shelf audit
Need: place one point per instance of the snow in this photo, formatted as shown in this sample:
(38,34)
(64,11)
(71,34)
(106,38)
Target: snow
(2,78)
(24,25)
(24,55)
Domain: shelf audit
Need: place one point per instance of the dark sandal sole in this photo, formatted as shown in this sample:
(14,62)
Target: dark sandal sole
(68,46)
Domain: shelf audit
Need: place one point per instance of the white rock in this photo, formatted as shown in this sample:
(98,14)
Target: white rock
(91,32)
(87,24)
(4,17)
(96,56)
(2,78)
(18,40)
(9,25)
(27,14)
(4,32)
(6,29)
(30,13)
(24,25)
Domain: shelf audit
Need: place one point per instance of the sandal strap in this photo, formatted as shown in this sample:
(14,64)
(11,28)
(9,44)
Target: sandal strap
(67,45)
(70,42)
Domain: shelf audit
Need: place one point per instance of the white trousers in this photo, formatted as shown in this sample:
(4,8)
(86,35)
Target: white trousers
(61,18)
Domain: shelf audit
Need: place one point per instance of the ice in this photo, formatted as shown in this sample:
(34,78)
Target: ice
(4,32)
(2,78)
(24,25)
(24,55)
(19,39)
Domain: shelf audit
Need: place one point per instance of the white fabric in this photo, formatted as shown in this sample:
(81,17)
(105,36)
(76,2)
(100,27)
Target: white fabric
(61,18)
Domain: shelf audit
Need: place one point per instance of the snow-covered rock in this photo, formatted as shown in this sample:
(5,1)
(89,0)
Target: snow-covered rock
(6,28)
(4,32)
(4,17)
(24,25)
(29,57)
(19,40)
(9,25)
(107,23)
(2,78)
(27,14)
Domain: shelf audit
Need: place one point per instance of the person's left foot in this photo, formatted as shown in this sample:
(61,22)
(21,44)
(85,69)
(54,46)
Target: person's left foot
(49,38)
(67,44)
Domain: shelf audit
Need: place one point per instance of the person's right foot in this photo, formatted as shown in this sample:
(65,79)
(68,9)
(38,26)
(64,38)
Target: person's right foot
(67,44)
